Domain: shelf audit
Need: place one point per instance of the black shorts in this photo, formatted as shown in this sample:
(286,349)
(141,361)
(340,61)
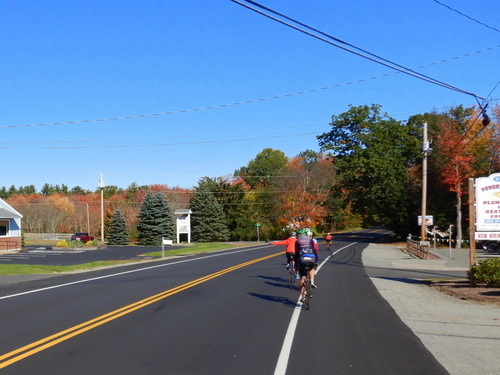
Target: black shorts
(305,266)
(290,257)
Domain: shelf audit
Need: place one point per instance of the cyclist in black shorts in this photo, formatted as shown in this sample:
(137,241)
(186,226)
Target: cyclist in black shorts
(306,257)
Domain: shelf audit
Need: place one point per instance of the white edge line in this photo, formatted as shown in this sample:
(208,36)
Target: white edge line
(286,349)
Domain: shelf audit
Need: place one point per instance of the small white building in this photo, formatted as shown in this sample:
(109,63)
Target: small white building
(10,227)
(183,219)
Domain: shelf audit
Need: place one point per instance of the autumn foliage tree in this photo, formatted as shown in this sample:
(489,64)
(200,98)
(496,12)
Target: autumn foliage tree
(302,193)
(464,150)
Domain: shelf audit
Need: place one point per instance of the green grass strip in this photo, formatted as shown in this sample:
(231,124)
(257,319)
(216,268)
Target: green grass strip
(193,249)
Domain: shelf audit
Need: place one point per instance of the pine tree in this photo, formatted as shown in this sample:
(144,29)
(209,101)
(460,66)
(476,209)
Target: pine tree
(118,234)
(208,218)
(155,220)
(165,218)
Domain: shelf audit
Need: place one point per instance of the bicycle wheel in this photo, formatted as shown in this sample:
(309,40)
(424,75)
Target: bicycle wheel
(307,293)
(291,271)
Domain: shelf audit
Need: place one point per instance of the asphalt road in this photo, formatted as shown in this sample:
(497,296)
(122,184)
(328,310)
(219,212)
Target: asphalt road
(230,312)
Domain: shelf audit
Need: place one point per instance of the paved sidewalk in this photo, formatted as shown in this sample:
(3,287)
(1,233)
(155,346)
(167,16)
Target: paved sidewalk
(463,336)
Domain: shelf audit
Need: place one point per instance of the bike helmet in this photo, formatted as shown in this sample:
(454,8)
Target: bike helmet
(301,231)
(293,234)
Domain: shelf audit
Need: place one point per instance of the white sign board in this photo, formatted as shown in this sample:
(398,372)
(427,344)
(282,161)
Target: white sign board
(488,204)
(183,221)
(183,224)
(429,220)
(482,236)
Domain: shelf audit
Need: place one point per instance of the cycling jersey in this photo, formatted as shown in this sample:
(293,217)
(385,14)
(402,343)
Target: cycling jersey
(305,250)
(289,242)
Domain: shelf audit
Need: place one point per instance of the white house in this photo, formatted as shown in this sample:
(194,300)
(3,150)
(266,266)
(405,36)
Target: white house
(10,227)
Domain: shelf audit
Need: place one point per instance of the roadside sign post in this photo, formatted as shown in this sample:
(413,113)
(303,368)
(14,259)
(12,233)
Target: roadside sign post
(258,234)
(449,241)
(164,242)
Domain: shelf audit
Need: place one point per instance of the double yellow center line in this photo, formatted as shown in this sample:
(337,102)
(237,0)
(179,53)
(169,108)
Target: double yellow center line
(45,343)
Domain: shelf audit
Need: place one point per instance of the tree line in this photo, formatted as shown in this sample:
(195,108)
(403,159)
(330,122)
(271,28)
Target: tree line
(367,171)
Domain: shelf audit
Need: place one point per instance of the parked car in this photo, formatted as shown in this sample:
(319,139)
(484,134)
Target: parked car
(491,246)
(82,236)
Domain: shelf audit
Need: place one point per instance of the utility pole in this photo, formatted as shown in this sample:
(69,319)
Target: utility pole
(472,223)
(88,219)
(425,151)
(101,186)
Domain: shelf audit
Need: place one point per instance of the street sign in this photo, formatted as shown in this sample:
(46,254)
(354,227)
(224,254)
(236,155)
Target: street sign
(429,220)
(257,225)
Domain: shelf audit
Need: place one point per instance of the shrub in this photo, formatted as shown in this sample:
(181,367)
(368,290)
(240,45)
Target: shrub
(76,243)
(486,272)
(94,243)
(62,243)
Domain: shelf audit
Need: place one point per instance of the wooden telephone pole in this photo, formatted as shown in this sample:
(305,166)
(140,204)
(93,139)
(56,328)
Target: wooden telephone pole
(425,151)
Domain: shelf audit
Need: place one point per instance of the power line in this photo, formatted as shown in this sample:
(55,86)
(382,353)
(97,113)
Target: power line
(374,58)
(482,112)
(161,144)
(465,15)
(135,138)
(281,96)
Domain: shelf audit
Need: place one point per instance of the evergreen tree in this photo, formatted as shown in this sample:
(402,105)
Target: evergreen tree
(118,234)
(208,219)
(3,193)
(155,220)
(166,226)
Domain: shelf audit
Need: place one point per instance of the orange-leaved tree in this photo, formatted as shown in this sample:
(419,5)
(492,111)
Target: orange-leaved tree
(301,195)
(464,149)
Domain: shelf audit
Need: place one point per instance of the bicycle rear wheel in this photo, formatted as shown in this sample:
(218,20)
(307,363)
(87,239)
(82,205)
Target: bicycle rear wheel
(291,271)
(307,293)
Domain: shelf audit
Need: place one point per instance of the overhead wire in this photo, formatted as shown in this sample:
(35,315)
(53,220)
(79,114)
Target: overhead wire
(467,16)
(161,144)
(116,118)
(376,58)
(481,111)
(373,58)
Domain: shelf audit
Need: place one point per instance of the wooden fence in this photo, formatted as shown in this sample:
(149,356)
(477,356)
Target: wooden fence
(46,236)
(416,249)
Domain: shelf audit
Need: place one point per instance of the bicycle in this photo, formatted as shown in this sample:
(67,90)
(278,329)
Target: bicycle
(306,297)
(329,245)
(292,271)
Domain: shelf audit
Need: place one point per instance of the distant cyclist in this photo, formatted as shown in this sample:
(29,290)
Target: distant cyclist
(290,248)
(306,257)
(328,239)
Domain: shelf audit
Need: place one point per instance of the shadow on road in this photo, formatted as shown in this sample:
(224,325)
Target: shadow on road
(279,299)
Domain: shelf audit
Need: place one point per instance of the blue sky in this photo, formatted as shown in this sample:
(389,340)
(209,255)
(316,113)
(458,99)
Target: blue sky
(73,62)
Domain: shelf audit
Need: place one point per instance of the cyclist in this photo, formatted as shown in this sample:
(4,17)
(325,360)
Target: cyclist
(310,234)
(306,257)
(290,248)
(328,239)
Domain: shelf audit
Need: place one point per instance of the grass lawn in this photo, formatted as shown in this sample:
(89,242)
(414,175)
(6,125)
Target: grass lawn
(194,249)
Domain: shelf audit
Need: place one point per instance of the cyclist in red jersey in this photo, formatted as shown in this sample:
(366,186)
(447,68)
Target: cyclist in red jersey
(328,239)
(290,247)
